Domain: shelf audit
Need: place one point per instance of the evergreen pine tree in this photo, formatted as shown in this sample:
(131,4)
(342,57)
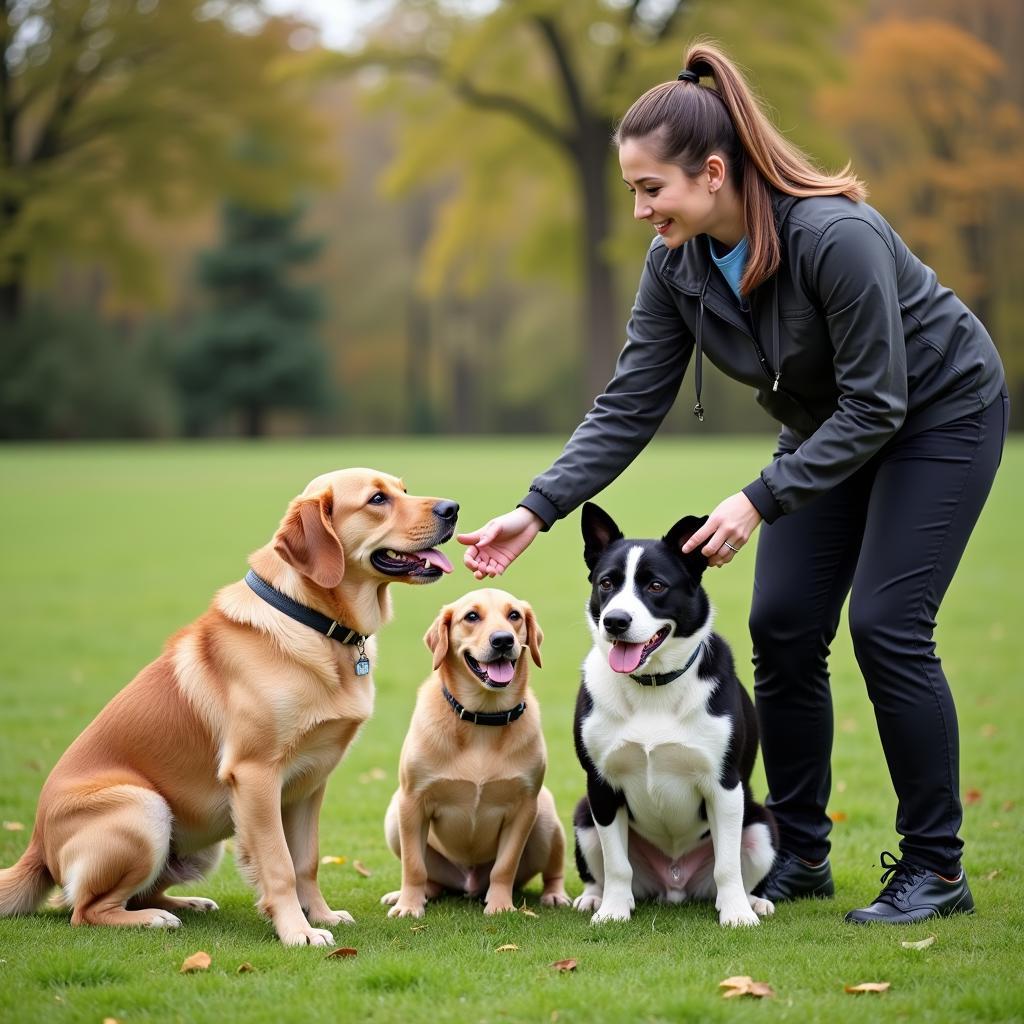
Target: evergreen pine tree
(255,349)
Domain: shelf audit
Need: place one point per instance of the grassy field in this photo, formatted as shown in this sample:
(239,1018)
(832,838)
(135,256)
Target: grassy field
(108,549)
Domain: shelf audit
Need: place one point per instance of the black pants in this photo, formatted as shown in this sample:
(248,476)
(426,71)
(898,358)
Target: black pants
(891,536)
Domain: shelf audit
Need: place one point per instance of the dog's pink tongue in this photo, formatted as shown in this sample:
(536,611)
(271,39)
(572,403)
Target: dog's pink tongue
(625,657)
(434,557)
(500,671)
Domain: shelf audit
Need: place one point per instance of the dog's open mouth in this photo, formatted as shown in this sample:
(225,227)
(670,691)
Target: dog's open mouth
(493,673)
(425,566)
(624,657)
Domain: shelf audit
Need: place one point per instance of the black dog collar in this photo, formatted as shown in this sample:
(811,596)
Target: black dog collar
(308,616)
(660,679)
(484,717)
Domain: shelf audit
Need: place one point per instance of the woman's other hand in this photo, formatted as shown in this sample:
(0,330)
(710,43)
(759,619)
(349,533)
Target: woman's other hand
(728,528)
(496,545)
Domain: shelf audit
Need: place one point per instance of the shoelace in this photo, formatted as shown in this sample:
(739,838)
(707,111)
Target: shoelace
(897,877)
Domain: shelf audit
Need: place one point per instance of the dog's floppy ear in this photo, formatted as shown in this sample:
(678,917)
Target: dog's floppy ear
(436,638)
(695,562)
(534,634)
(306,540)
(599,531)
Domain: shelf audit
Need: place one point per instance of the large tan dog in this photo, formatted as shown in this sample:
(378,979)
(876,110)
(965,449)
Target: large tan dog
(236,726)
(471,814)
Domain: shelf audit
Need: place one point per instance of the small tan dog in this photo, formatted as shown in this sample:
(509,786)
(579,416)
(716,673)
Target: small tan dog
(236,726)
(471,813)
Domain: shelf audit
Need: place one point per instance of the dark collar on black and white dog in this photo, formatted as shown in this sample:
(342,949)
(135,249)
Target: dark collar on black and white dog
(307,616)
(484,717)
(661,678)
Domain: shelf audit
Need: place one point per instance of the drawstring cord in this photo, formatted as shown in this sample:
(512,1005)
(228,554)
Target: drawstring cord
(698,370)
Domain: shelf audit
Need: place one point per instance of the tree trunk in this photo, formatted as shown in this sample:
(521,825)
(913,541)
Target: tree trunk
(253,420)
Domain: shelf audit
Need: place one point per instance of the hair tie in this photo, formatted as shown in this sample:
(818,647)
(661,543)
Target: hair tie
(688,76)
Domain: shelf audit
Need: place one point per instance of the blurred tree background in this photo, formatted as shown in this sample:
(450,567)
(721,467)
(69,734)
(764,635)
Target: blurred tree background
(437,238)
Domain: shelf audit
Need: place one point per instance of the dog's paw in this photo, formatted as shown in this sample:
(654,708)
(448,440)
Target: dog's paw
(406,910)
(307,937)
(389,899)
(761,907)
(328,916)
(162,919)
(737,915)
(197,904)
(555,899)
(612,911)
(499,907)
(587,902)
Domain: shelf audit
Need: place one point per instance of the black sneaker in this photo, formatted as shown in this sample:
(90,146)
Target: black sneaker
(791,878)
(913,894)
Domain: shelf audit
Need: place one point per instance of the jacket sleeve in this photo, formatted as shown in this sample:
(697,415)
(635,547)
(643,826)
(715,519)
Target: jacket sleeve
(625,417)
(854,276)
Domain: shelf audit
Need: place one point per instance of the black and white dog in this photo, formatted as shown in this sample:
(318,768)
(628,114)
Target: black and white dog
(667,736)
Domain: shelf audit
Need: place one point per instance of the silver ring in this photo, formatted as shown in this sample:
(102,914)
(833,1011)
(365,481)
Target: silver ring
(730,547)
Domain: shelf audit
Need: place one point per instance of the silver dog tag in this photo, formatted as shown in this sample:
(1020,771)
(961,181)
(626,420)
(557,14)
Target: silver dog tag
(363,666)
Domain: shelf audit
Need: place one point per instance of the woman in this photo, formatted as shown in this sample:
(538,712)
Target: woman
(893,413)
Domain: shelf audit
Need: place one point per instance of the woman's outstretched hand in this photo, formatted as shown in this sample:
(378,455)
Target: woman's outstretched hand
(497,544)
(728,528)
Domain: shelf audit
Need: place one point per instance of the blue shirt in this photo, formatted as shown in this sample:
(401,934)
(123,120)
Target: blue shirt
(732,265)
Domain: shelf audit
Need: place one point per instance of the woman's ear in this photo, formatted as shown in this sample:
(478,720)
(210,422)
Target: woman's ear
(306,540)
(716,172)
(436,637)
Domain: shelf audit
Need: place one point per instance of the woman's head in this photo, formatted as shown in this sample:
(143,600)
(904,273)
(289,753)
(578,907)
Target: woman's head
(684,123)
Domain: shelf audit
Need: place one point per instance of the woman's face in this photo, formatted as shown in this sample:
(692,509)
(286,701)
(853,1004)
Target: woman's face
(677,206)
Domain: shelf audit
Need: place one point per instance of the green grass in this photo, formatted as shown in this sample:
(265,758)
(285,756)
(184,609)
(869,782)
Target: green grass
(105,550)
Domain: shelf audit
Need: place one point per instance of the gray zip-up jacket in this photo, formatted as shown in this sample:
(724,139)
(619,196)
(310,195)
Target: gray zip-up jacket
(852,340)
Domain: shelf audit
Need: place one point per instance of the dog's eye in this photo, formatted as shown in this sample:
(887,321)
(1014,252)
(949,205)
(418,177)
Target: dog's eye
(514,616)
(380,498)
(656,586)
(472,617)
(605,584)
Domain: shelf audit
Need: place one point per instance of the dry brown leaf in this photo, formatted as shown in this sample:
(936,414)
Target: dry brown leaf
(333,860)
(509,947)
(14,826)
(340,952)
(838,816)
(989,730)
(196,962)
(841,786)
(920,944)
(848,725)
(554,1017)
(564,965)
(362,869)
(246,968)
(991,876)
(868,986)
(111,1020)
(418,927)
(526,911)
(744,985)
(1008,806)
(972,796)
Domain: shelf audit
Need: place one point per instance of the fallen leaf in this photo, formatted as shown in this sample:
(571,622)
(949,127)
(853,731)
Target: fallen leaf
(841,786)
(509,947)
(989,730)
(838,816)
(848,725)
(14,826)
(418,927)
(340,952)
(1008,806)
(246,968)
(373,775)
(196,962)
(991,876)
(554,1017)
(564,965)
(921,944)
(744,985)
(997,824)
(868,986)
(334,860)
(362,869)
(526,911)
(972,796)
(111,1020)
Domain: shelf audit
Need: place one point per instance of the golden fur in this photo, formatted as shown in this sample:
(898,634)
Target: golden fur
(471,813)
(232,730)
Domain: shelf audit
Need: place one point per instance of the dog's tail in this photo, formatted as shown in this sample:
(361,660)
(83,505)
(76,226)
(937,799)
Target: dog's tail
(23,886)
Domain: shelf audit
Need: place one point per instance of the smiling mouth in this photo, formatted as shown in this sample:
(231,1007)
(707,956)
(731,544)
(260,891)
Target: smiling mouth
(425,566)
(496,673)
(626,657)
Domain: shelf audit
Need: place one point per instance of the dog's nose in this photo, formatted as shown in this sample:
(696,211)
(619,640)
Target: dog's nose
(502,641)
(446,510)
(616,623)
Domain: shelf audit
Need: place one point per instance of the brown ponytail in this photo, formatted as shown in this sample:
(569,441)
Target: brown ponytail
(688,122)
